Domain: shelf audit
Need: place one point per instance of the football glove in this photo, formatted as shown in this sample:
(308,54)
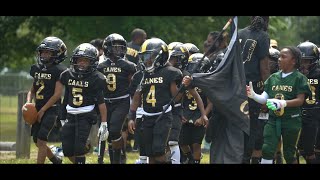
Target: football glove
(103,131)
(275,104)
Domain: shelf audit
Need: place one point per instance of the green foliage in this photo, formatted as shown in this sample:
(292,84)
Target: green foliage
(308,28)
(22,34)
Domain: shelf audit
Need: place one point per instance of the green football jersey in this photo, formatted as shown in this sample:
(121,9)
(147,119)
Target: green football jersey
(286,88)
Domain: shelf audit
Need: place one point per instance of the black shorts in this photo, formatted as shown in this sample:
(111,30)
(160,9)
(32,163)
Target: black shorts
(75,133)
(191,134)
(117,111)
(155,134)
(43,129)
(256,126)
(176,128)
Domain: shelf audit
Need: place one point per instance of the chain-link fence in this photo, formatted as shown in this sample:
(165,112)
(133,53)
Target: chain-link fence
(10,85)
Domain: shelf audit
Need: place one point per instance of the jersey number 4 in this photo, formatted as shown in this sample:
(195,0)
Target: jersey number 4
(151,97)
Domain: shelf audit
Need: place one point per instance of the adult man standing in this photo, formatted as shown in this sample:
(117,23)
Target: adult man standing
(255,44)
(138,36)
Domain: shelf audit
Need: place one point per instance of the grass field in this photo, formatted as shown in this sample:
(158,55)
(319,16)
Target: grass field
(8,125)
(9,157)
(8,117)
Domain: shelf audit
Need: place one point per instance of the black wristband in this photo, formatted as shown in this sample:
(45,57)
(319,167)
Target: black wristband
(132,115)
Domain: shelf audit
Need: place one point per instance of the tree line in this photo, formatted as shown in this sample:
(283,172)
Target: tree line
(20,35)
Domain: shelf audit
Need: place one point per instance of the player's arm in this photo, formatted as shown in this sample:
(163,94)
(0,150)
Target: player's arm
(199,101)
(30,94)
(56,96)
(132,112)
(174,91)
(264,68)
(209,107)
(103,132)
(101,103)
(298,101)
(275,104)
(103,112)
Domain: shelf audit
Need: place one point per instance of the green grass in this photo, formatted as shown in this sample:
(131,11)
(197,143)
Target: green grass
(8,117)
(8,125)
(10,157)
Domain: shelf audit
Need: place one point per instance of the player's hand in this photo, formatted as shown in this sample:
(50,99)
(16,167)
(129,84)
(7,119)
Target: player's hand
(24,107)
(183,120)
(250,91)
(205,121)
(40,115)
(131,126)
(275,104)
(103,131)
(198,122)
(264,108)
(186,81)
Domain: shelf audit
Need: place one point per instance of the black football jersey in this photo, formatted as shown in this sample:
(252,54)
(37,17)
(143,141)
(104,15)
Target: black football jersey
(45,82)
(132,52)
(118,76)
(255,46)
(313,101)
(85,91)
(190,106)
(135,82)
(156,88)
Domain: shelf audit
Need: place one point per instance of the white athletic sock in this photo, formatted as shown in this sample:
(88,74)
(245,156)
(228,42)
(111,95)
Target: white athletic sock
(265,161)
(143,159)
(175,151)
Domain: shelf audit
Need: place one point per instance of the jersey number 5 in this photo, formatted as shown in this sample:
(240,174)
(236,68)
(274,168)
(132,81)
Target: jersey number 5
(151,97)
(77,97)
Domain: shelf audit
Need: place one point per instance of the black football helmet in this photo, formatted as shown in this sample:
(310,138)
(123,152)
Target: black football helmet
(56,46)
(192,48)
(87,51)
(195,66)
(179,56)
(153,54)
(116,45)
(172,45)
(309,51)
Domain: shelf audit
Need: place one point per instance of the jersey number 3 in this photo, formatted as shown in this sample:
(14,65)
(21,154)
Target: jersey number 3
(312,99)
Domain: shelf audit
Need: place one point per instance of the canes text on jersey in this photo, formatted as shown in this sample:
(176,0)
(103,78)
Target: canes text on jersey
(155,80)
(42,75)
(76,83)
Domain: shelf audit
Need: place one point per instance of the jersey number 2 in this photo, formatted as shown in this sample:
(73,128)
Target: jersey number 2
(38,96)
